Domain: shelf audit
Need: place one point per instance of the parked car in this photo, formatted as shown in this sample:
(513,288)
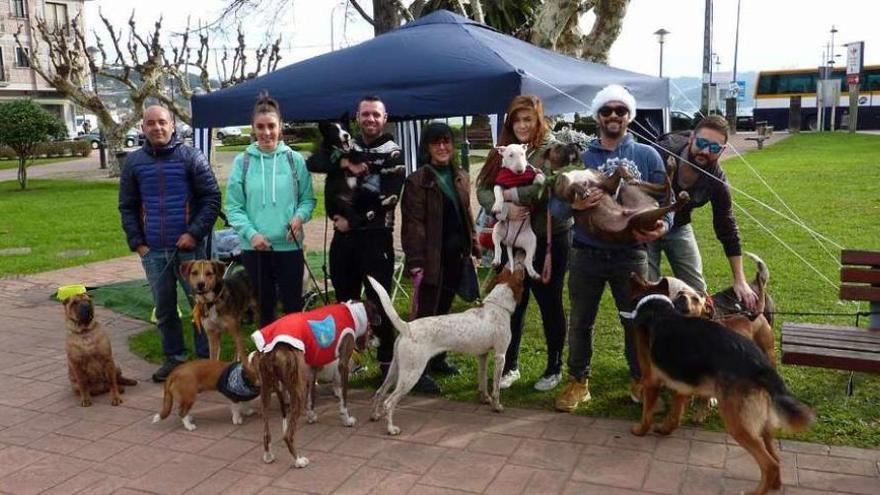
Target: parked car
(680,121)
(131,138)
(228,131)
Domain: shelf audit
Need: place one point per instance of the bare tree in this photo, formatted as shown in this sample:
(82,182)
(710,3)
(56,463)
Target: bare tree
(140,64)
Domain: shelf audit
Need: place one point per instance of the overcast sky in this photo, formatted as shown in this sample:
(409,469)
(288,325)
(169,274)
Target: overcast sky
(774,34)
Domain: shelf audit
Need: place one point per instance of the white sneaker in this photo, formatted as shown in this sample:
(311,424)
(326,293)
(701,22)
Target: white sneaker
(509,379)
(548,382)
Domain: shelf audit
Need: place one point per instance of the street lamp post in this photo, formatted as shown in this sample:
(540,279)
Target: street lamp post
(102,152)
(332,25)
(661,38)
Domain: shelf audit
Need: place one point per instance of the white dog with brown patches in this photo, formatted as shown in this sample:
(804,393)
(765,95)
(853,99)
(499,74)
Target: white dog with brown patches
(477,332)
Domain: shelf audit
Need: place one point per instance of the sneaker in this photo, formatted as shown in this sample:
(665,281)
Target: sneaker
(162,373)
(508,379)
(575,392)
(426,385)
(548,382)
(635,394)
(443,367)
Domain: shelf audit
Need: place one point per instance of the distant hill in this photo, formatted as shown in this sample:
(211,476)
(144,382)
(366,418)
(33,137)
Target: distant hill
(685,93)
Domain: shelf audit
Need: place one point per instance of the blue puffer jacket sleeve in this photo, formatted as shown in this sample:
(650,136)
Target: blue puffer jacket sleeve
(130,204)
(206,193)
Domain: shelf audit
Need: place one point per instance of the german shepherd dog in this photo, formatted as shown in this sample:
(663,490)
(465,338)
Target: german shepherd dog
(696,356)
(220,303)
(90,364)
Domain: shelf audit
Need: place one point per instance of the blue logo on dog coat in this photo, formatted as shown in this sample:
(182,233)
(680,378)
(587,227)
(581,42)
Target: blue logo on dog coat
(324,331)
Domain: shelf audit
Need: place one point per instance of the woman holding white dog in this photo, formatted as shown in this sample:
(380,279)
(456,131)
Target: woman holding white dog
(268,199)
(436,212)
(525,124)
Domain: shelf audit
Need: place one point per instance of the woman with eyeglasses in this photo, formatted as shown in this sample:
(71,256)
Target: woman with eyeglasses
(694,157)
(525,124)
(437,234)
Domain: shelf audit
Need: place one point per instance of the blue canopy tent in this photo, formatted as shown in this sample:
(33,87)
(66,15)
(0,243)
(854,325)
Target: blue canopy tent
(441,65)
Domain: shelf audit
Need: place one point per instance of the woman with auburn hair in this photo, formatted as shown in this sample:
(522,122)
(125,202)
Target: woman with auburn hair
(525,124)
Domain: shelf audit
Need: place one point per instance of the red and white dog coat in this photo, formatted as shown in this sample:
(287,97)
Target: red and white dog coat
(317,333)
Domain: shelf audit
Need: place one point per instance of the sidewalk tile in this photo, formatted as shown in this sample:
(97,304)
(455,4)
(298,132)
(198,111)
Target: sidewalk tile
(665,477)
(702,481)
(101,450)
(491,443)
(616,467)
(228,449)
(672,450)
(14,458)
(517,427)
(707,454)
(741,464)
(407,458)
(464,470)
(514,480)
(543,454)
(42,475)
(325,472)
(178,475)
(820,480)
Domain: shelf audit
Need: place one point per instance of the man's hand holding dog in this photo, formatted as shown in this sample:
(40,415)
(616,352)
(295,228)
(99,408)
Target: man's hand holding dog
(142,250)
(516,212)
(340,223)
(745,294)
(591,200)
(652,235)
(355,168)
(260,243)
(186,242)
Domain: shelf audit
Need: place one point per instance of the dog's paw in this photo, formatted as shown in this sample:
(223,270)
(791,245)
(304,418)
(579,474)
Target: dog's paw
(248,411)
(497,407)
(156,418)
(311,418)
(237,419)
(539,179)
(496,208)
(268,457)
(485,399)
(393,430)
(115,401)
(663,429)
(85,402)
(188,424)
(375,416)
(639,429)
(349,421)
(301,462)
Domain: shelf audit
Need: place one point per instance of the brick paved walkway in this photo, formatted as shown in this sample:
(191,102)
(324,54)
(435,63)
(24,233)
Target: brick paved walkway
(48,444)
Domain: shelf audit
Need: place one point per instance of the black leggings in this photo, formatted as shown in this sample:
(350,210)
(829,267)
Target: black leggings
(275,275)
(549,297)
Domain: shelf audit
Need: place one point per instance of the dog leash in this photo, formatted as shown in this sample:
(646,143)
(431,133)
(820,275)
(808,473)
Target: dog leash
(309,270)
(547,271)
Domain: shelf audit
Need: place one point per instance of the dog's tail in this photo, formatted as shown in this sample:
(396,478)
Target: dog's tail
(388,307)
(761,279)
(167,402)
(795,415)
(763,275)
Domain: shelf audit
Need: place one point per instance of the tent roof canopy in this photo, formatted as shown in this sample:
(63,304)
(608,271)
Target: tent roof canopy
(440,65)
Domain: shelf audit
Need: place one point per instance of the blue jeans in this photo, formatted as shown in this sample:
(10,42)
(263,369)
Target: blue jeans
(162,267)
(589,269)
(683,254)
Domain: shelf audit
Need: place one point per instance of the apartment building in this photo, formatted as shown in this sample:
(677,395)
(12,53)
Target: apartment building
(17,79)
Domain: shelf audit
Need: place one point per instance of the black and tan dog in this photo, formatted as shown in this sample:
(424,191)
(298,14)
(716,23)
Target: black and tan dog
(220,303)
(697,356)
(90,364)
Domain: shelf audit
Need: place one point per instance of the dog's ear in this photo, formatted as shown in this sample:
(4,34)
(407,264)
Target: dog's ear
(185,267)
(638,286)
(709,308)
(662,287)
(345,120)
(374,315)
(219,268)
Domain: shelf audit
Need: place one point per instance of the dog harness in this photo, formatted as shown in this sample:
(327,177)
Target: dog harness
(317,333)
(235,385)
(507,178)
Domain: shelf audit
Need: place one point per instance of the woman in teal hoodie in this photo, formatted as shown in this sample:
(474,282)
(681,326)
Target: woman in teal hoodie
(268,199)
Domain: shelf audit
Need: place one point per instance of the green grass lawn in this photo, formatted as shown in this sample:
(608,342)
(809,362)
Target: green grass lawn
(830,180)
(64,223)
(304,146)
(6,164)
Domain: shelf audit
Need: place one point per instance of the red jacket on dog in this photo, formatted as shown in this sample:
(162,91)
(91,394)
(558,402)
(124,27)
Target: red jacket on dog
(317,333)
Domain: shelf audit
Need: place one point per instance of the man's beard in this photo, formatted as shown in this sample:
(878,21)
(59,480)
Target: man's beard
(699,160)
(621,130)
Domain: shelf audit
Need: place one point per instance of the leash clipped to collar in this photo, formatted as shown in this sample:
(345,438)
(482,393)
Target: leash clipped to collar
(651,297)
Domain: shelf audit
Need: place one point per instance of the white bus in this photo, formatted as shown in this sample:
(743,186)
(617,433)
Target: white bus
(774,90)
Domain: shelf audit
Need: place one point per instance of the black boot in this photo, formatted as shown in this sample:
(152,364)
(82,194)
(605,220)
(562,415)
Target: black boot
(440,366)
(426,385)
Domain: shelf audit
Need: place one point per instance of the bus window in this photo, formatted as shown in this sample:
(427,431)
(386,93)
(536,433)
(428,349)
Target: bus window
(767,84)
(797,83)
(872,80)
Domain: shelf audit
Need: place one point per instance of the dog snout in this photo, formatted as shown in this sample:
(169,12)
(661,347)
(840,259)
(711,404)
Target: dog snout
(200,286)
(681,304)
(84,313)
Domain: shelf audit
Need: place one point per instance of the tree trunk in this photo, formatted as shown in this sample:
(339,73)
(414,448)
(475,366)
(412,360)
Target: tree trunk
(385,16)
(606,29)
(553,18)
(22,172)
(115,138)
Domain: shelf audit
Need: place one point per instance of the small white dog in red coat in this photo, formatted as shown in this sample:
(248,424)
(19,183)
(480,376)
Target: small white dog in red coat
(515,172)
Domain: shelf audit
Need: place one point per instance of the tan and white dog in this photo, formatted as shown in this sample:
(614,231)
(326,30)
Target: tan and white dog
(477,331)
(515,233)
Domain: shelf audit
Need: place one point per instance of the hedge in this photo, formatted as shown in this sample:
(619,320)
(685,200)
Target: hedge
(52,149)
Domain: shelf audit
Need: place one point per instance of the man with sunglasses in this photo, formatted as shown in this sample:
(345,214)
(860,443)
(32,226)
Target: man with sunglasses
(694,158)
(593,263)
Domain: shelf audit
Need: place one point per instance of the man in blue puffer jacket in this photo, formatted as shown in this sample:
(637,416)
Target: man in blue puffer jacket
(169,201)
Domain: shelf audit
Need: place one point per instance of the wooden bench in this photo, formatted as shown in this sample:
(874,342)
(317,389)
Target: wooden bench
(842,347)
(762,133)
(759,139)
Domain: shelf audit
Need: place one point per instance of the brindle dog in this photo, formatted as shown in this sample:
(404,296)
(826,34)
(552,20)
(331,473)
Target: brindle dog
(90,364)
(220,303)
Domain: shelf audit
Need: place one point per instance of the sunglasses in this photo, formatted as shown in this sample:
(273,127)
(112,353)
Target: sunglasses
(703,143)
(619,111)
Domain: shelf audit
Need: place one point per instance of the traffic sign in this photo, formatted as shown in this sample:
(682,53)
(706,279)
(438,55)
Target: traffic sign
(852,79)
